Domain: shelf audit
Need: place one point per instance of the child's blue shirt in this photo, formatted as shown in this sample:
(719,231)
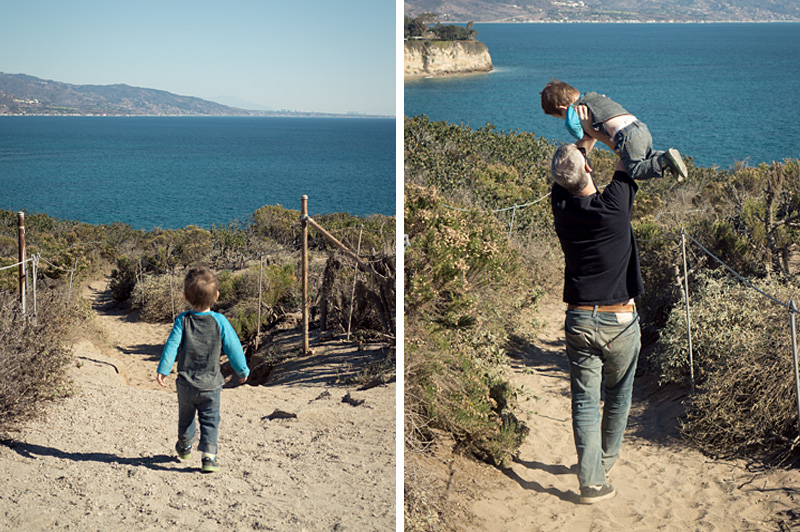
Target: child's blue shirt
(198,340)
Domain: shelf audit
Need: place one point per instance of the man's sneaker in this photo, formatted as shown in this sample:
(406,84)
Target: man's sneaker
(610,469)
(184,453)
(210,464)
(672,160)
(593,494)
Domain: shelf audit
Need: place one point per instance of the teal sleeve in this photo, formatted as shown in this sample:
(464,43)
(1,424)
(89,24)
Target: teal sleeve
(171,347)
(232,346)
(573,123)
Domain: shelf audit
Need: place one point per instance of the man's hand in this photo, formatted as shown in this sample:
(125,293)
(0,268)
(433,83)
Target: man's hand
(161,379)
(585,117)
(242,380)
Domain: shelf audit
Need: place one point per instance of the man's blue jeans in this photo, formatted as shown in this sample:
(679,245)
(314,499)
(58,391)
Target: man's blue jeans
(602,349)
(205,405)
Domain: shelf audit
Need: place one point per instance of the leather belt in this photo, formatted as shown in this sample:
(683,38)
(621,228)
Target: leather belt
(604,308)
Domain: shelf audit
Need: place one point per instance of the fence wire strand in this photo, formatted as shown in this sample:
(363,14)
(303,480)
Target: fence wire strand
(505,209)
(15,265)
(739,276)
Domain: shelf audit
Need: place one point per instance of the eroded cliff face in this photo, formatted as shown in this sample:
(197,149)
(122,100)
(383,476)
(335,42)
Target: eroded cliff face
(439,58)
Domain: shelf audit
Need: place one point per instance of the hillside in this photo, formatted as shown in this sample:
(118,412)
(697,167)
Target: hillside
(21,94)
(485,373)
(607,10)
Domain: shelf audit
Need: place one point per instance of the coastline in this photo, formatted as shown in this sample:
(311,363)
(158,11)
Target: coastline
(705,22)
(11,213)
(274,115)
(428,75)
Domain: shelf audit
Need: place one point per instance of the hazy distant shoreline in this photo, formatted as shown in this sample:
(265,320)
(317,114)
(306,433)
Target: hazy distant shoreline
(297,115)
(707,22)
(25,95)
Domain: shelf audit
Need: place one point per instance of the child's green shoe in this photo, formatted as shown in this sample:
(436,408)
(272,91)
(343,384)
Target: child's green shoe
(672,160)
(210,464)
(184,453)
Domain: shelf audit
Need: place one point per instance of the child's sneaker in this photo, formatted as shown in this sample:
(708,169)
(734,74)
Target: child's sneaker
(210,464)
(184,453)
(672,160)
(593,494)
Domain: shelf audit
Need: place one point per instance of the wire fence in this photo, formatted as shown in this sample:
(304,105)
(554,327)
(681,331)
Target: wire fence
(143,267)
(31,281)
(514,208)
(789,305)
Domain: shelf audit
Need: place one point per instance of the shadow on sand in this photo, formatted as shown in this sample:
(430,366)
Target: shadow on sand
(33,451)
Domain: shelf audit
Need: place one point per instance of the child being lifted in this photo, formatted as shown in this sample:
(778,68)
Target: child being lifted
(615,127)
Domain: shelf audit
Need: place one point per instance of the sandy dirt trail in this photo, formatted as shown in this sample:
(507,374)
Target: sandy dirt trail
(104,458)
(661,483)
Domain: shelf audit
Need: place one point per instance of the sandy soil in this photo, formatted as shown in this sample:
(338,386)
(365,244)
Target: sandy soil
(104,459)
(661,483)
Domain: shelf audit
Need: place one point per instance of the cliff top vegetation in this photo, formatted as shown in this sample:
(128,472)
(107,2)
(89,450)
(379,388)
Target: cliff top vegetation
(608,10)
(427,27)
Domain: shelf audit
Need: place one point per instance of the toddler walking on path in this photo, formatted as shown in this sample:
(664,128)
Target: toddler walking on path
(198,339)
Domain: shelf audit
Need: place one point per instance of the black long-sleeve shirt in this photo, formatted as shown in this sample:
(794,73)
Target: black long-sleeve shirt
(601,258)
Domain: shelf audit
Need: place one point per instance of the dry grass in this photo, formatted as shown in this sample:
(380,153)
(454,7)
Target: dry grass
(34,356)
(745,403)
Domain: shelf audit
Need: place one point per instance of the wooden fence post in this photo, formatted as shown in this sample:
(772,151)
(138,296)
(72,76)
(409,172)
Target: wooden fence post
(22,279)
(304,223)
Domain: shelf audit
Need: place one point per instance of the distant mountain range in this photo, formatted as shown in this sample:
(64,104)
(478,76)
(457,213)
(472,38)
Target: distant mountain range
(608,10)
(21,94)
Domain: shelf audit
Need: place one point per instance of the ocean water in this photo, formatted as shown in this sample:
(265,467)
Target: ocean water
(720,93)
(172,172)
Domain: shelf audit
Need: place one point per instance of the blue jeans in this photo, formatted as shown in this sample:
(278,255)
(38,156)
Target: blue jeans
(205,405)
(602,349)
(634,145)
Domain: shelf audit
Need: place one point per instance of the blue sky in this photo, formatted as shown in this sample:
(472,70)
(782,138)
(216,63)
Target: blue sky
(312,55)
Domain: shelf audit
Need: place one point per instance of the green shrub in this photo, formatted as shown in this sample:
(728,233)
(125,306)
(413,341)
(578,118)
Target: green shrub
(239,295)
(464,286)
(376,232)
(452,390)
(123,279)
(244,320)
(279,224)
(193,246)
(279,284)
(453,256)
